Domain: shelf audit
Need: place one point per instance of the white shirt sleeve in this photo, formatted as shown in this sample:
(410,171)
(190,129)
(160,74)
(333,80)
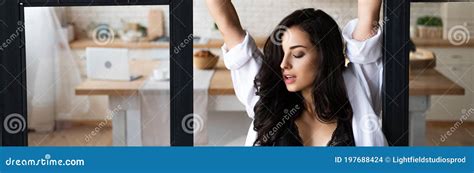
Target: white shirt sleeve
(366,63)
(367,68)
(244,62)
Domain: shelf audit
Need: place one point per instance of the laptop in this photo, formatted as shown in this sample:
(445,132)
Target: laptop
(108,64)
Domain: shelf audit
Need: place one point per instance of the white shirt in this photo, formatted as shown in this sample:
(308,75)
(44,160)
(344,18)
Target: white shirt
(363,80)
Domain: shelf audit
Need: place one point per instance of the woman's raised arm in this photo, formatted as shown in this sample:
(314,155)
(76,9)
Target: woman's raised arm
(227,20)
(368,14)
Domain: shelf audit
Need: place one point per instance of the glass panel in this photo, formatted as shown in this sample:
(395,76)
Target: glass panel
(441,74)
(87,68)
(228,117)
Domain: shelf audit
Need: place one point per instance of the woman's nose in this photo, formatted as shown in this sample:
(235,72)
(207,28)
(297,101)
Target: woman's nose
(285,64)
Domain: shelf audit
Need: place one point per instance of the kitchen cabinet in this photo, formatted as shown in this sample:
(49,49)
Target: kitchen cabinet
(453,56)
(458,65)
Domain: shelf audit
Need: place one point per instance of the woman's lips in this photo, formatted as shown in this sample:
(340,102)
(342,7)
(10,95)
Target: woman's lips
(289,79)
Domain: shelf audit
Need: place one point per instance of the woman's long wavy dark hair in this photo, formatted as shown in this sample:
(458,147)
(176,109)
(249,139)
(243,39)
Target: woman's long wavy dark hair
(277,108)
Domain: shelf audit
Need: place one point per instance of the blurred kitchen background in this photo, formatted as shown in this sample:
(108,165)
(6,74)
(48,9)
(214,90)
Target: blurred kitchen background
(441,80)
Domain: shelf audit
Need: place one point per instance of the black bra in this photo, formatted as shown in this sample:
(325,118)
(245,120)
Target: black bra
(342,136)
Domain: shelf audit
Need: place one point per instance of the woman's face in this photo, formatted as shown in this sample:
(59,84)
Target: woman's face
(299,62)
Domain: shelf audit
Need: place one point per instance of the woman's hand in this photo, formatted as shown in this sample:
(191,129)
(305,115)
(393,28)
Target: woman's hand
(368,14)
(227,20)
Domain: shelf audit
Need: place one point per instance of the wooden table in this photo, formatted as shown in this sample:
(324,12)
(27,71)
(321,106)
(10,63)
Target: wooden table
(423,84)
(124,102)
(124,99)
(120,88)
(431,82)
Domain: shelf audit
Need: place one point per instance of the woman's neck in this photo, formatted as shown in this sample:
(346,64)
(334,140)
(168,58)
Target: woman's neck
(309,106)
(308,100)
(312,131)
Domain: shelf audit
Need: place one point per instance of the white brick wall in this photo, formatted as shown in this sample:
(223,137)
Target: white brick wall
(423,9)
(259,17)
(83,16)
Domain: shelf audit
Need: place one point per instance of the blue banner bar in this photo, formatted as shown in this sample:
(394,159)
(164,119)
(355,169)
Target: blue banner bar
(236,159)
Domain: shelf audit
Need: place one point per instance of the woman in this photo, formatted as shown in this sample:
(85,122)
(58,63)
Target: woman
(299,90)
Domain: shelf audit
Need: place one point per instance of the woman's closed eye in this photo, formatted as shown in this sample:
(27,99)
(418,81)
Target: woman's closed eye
(298,55)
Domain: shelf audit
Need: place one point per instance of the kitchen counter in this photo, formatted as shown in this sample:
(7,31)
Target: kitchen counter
(432,82)
(84,43)
(117,43)
(217,43)
(444,43)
